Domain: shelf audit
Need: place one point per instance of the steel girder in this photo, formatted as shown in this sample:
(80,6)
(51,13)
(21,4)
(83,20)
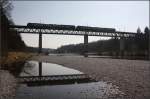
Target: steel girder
(25,29)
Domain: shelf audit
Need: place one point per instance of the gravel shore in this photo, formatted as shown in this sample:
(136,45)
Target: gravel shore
(131,76)
(8,84)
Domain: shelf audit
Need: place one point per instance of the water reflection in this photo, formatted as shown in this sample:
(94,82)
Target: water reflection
(34,68)
(41,73)
(86,90)
(94,90)
(40,68)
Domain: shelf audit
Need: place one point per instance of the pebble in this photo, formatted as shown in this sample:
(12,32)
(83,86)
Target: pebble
(8,85)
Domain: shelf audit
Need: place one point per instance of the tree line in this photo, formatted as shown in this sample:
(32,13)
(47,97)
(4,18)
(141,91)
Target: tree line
(137,45)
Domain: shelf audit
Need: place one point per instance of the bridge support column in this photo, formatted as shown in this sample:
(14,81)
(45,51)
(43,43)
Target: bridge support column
(40,42)
(149,46)
(40,68)
(121,47)
(133,47)
(85,45)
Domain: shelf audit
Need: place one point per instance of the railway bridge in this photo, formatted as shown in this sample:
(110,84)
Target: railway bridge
(38,28)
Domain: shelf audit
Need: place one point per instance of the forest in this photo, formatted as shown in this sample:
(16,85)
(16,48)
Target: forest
(132,46)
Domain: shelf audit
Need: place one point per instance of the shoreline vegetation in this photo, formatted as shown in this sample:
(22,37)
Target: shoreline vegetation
(15,57)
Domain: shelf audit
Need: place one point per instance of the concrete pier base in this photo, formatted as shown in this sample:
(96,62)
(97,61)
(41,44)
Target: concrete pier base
(121,47)
(85,45)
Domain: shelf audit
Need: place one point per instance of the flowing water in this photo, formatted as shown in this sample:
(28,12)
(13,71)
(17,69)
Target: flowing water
(86,90)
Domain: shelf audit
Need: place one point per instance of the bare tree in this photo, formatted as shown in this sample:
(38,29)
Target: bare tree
(6,6)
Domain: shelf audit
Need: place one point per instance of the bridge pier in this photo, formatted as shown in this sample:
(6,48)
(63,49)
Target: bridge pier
(149,46)
(133,47)
(40,42)
(121,47)
(85,45)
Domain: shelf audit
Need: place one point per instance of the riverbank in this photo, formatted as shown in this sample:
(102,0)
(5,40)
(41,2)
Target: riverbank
(131,76)
(8,82)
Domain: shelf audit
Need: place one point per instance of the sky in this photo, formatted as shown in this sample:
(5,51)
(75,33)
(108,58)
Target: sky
(121,15)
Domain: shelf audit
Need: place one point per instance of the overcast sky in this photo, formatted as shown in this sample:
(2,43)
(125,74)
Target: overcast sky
(122,15)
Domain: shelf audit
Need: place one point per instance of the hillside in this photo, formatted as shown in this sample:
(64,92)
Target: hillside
(36,49)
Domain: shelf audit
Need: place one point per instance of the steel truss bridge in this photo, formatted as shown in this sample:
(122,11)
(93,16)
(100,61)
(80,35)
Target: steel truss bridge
(38,28)
(78,30)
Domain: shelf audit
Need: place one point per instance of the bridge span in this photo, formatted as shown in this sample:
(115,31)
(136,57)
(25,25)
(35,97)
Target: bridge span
(38,28)
(71,30)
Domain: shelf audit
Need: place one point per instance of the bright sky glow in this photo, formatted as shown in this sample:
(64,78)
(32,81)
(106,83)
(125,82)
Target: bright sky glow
(122,15)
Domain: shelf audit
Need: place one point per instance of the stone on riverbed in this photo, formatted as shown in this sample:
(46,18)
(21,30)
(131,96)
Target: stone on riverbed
(8,85)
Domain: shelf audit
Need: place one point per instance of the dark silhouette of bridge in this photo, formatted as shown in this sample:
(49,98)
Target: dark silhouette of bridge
(38,28)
